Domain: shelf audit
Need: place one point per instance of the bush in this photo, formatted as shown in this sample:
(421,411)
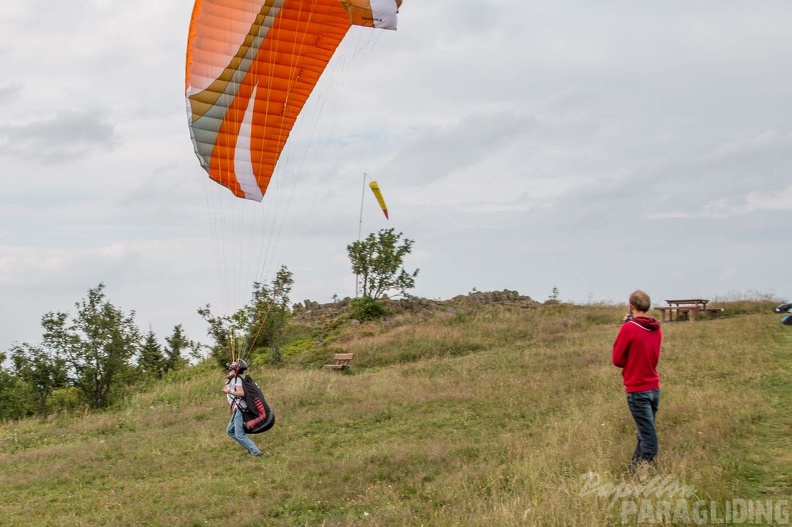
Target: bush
(367,308)
(67,400)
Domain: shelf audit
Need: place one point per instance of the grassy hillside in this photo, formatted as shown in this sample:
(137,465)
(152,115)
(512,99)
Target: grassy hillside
(480,418)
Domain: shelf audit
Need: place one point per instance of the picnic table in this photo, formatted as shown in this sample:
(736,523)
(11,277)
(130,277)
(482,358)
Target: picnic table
(686,309)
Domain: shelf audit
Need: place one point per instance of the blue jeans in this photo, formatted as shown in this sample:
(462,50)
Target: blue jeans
(643,407)
(236,430)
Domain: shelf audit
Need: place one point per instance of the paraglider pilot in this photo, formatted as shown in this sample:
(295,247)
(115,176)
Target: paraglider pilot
(236,399)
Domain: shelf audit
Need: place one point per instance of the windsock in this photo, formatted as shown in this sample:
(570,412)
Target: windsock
(377,194)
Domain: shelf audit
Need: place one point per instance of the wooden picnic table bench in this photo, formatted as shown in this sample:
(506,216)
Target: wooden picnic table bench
(342,361)
(686,309)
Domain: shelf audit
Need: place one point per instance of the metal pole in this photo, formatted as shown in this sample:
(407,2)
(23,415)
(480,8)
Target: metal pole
(360,229)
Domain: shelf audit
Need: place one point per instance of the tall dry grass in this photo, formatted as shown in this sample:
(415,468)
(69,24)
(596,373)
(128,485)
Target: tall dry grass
(490,418)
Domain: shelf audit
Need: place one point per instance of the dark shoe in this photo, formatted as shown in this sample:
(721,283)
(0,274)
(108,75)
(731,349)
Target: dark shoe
(258,455)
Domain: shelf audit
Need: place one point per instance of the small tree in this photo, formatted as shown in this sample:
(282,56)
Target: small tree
(40,371)
(152,359)
(13,401)
(270,311)
(96,345)
(260,323)
(377,261)
(554,294)
(223,330)
(177,343)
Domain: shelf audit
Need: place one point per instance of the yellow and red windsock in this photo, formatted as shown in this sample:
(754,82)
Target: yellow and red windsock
(377,194)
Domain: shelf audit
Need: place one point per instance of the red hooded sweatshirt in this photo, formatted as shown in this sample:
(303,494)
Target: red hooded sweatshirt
(636,351)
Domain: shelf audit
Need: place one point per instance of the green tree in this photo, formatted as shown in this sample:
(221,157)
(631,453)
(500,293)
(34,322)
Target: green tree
(152,359)
(377,262)
(13,395)
(269,311)
(260,323)
(40,371)
(176,344)
(230,333)
(224,331)
(96,345)
(554,294)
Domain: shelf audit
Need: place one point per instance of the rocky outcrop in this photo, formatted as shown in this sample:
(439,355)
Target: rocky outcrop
(310,310)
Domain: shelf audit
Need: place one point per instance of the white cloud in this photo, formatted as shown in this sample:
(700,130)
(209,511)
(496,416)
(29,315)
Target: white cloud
(9,91)
(66,136)
(31,268)
(781,200)
(725,208)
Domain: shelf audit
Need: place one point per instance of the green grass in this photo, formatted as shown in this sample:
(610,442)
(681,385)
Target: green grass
(484,418)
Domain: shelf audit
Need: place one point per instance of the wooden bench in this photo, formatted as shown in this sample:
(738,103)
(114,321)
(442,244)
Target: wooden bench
(686,309)
(342,361)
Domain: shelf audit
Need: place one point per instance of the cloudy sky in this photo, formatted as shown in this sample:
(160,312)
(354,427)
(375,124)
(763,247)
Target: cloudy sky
(596,147)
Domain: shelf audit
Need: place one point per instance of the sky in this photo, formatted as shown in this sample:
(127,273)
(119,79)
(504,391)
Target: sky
(591,147)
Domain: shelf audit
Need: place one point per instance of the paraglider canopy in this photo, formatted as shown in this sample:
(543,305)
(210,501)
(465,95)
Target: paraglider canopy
(251,65)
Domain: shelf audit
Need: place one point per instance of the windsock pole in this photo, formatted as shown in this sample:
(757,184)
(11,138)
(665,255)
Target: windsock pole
(360,229)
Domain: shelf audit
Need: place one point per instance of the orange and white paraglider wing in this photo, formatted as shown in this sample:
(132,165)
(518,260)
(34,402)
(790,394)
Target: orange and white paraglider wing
(372,13)
(378,194)
(251,65)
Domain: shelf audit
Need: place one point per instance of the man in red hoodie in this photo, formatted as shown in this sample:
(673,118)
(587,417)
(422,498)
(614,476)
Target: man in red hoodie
(636,351)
